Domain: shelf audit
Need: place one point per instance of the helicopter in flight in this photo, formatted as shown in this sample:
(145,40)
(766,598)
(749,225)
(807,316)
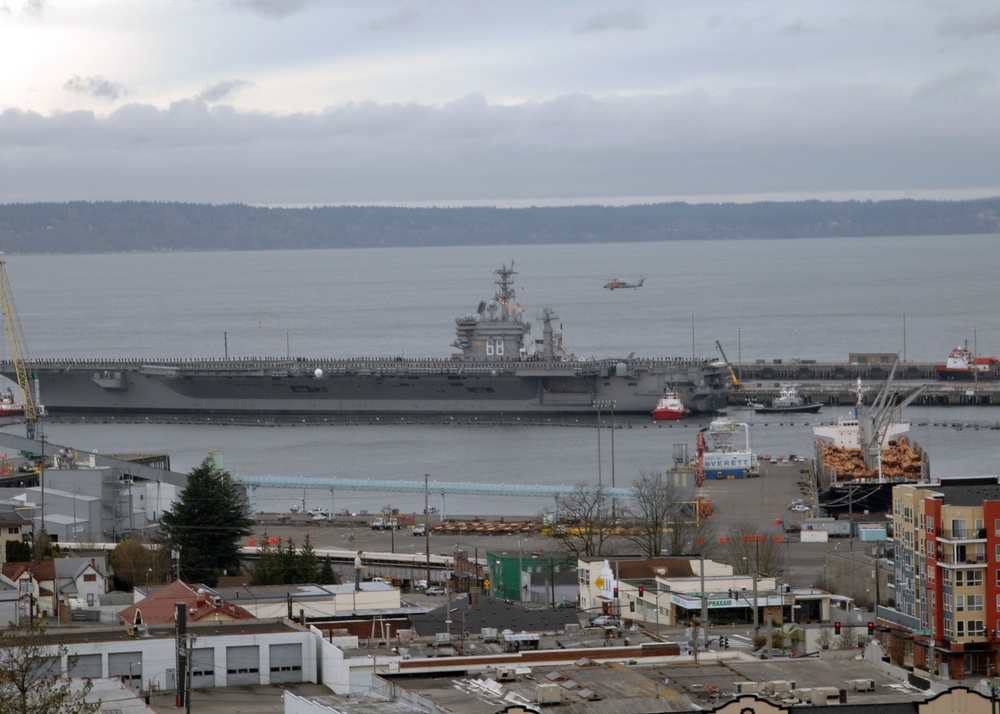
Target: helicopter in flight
(617,284)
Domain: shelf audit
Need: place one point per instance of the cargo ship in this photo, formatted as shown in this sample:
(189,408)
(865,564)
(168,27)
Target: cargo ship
(963,366)
(498,370)
(861,457)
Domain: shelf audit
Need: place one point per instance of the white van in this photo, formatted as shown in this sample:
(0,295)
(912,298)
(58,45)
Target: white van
(419,529)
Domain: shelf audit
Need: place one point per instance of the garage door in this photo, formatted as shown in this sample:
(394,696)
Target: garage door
(242,665)
(286,663)
(203,667)
(86,666)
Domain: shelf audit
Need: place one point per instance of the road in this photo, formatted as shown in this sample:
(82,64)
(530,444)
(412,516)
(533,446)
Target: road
(761,501)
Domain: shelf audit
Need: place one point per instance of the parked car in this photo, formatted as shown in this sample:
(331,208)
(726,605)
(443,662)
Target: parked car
(800,508)
(419,529)
(565,605)
(765,654)
(434,590)
(606,621)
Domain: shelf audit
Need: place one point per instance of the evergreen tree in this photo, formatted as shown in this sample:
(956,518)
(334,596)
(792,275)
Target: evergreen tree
(206,525)
(306,566)
(326,574)
(267,569)
(17,551)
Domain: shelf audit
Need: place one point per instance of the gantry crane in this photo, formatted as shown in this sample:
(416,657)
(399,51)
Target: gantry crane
(734,382)
(24,381)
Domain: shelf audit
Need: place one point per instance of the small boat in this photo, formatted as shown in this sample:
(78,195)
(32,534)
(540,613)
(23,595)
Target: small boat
(963,366)
(670,406)
(9,405)
(788,401)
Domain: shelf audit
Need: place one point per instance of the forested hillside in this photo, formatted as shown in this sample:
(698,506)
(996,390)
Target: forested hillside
(82,227)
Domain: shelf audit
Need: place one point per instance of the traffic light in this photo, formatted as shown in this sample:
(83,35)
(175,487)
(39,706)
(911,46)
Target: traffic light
(631,606)
(725,643)
(616,593)
(641,591)
(732,595)
(871,628)
(836,628)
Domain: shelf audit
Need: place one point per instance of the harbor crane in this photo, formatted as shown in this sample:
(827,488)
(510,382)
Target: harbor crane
(734,381)
(25,382)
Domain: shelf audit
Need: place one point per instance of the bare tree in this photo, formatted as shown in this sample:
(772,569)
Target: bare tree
(30,677)
(662,522)
(585,520)
(751,551)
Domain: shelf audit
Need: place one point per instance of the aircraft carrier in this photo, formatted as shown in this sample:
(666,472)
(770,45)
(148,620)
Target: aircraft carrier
(499,370)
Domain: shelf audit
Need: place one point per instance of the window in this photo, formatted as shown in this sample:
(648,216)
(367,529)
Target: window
(974,578)
(14,530)
(930,525)
(974,603)
(89,578)
(977,628)
(947,602)
(959,578)
(949,629)
(960,628)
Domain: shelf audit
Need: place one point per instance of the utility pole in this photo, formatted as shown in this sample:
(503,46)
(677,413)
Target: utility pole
(180,631)
(41,481)
(704,599)
(427,529)
(190,666)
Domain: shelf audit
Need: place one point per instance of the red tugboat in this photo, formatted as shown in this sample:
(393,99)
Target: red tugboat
(962,366)
(670,406)
(9,406)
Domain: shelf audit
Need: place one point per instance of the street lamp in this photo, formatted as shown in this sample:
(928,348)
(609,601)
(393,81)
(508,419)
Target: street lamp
(130,665)
(597,405)
(610,405)
(692,336)
(739,350)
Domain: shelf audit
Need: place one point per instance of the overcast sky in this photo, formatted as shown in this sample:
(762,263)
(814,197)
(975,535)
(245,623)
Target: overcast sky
(497,102)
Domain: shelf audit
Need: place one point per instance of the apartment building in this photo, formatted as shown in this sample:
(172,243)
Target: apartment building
(947,575)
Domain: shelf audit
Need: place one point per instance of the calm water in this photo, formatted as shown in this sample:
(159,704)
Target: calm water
(817,299)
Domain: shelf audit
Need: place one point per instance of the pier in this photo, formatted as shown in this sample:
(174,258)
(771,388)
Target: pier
(835,383)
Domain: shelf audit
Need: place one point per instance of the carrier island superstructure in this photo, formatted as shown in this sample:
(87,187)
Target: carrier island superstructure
(498,370)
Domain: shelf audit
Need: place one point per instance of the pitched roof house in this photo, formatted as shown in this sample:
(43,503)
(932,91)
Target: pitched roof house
(202,603)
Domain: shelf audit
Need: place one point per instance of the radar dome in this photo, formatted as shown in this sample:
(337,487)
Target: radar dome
(318,373)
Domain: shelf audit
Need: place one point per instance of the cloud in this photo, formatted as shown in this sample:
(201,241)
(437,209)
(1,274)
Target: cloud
(967,86)
(223,90)
(277,9)
(754,139)
(610,20)
(32,8)
(797,27)
(404,15)
(986,22)
(96,86)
